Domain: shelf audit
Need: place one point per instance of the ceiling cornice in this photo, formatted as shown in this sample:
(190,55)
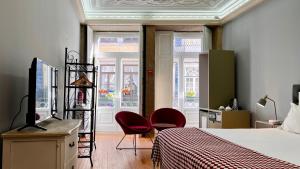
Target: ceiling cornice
(161,17)
(79,10)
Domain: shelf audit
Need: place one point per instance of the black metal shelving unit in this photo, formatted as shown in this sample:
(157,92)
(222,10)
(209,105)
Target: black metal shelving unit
(86,110)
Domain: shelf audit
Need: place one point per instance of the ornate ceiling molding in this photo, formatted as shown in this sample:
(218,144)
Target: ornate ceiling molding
(205,4)
(152,11)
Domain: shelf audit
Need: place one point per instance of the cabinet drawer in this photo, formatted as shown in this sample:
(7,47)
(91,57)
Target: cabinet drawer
(71,146)
(72,164)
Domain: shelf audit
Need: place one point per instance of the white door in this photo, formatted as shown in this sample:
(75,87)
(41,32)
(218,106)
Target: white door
(117,55)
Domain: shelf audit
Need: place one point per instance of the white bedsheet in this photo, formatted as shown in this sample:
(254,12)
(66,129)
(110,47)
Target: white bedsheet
(273,142)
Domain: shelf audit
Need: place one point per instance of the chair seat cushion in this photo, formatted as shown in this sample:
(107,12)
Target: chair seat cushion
(138,129)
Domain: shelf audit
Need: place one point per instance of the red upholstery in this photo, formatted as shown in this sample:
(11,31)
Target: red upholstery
(133,123)
(167,115)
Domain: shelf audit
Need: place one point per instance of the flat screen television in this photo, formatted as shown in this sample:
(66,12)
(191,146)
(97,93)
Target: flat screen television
(42,98)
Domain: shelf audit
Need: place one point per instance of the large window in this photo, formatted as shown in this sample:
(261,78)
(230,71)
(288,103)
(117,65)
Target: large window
(118,57)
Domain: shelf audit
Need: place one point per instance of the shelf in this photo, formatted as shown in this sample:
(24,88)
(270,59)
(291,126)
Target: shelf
(71,97)
(85,71)
(87,141)
(79,110)
(85,132)
(80,64)
(82,87)
(84,147)
(79,156)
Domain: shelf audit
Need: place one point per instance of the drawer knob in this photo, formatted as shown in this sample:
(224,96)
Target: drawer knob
(72,144)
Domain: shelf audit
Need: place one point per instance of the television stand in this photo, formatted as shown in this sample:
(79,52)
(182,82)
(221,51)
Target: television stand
(34,126)
(38,149)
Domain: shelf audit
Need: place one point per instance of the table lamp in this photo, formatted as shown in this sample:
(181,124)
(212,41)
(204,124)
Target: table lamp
(262,102)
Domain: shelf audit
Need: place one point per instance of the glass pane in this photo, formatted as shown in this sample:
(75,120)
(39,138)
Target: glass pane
(108,68)
(191,84)
(175,84)
(187,45)
(191,69)
(118,44)
(130,86)
(107,86)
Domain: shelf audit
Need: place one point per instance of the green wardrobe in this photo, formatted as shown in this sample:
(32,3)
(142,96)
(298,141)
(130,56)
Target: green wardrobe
(217,78)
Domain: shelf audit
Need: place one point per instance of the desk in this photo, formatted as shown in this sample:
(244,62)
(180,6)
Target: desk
(162,126)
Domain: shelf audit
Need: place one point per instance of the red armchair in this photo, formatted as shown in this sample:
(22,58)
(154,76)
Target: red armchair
(167,118)
(132,124)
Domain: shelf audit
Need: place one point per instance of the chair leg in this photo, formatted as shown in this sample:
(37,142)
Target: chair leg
(117,147)
(135,144)
(151,140)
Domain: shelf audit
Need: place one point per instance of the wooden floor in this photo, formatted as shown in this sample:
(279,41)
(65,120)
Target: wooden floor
(107,157)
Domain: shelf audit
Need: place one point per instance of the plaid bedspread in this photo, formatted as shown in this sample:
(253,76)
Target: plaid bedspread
(192,148)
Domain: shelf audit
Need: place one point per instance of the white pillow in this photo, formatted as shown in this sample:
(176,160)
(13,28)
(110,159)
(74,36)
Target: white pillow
(292,122)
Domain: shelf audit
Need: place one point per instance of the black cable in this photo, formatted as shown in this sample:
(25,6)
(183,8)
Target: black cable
(20,109)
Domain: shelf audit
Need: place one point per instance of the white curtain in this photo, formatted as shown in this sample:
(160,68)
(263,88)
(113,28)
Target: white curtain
(207,39)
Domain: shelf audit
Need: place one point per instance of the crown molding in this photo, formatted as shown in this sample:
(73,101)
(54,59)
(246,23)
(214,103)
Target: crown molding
(79,10)
(161,17)
(241,10)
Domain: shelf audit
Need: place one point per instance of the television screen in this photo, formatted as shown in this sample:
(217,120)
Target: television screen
(43,94)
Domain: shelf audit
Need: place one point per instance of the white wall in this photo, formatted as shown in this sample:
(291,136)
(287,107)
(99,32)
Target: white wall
(266,41)
(28,29)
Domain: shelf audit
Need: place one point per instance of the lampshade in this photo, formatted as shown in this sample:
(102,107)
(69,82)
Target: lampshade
(262,102)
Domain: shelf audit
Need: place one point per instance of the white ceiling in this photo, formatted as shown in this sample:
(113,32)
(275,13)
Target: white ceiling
(151,11)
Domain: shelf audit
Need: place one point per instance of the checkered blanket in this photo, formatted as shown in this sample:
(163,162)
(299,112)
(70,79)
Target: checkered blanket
(192,148)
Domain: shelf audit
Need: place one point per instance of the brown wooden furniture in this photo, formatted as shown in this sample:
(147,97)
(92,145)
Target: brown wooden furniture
(37,149)
(265,124)
(216,79)
(228,119)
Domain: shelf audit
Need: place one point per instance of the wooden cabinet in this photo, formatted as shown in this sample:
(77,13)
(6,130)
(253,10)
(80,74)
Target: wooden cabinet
(226,119)
(216,78)
(31,148)
(217,85)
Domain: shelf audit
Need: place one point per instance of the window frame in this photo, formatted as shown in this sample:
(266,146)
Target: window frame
(179,57)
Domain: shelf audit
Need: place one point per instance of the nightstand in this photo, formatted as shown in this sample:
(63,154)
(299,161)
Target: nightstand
(224,119)
(265,124)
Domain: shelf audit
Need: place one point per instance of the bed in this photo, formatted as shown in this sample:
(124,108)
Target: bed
(270,148)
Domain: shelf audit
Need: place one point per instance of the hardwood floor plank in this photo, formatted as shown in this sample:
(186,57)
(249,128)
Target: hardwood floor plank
(107,157)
